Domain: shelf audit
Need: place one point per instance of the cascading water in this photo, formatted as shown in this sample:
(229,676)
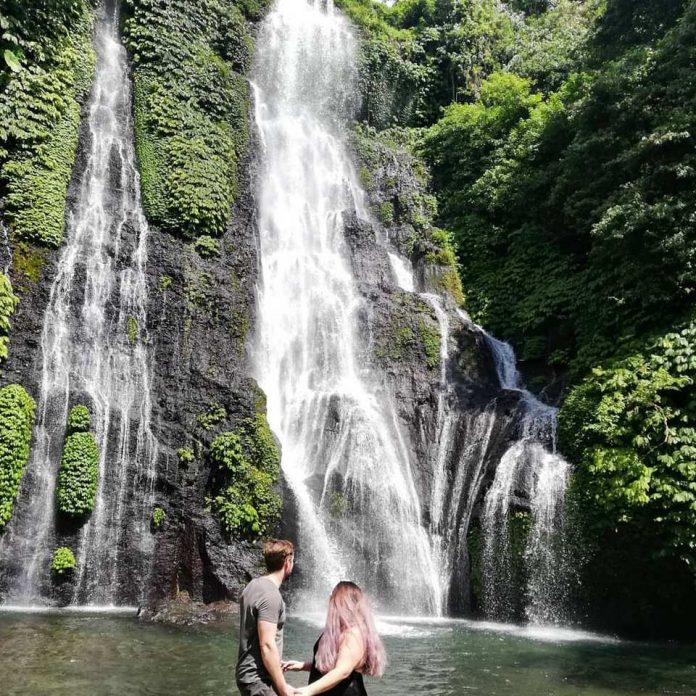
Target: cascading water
(94,351)
(529,464)
(344,455)
(533,458)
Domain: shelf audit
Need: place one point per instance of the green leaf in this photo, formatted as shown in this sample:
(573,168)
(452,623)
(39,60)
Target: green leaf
(12,61)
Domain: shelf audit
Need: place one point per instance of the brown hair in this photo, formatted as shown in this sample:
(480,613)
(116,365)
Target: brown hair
(275,551)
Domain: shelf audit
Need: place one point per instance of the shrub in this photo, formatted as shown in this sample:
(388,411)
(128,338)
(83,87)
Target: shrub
(386,213)
(248,464)
(17,411)
(207,247)
(77,479)
(215,415)
(158,517)
(630,427)
(8,304)
(78,419)
(63,562)
(185,455)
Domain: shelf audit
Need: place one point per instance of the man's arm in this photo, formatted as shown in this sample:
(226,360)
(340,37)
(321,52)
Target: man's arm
(271,658)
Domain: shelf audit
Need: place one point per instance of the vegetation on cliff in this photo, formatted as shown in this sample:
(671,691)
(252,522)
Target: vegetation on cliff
(46,69)
(8,304)
(247,467)
(17,410)
(191,108)
(76,491)
(63,562)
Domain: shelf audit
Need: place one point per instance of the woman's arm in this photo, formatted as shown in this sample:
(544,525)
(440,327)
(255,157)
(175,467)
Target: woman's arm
(350,656)
(296,666)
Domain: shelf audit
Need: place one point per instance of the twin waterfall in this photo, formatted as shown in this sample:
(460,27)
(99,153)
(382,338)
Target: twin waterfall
(347,459)
(90,356)
(345,455)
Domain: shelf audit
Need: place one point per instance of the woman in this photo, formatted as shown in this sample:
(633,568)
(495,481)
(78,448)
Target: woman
(348,648)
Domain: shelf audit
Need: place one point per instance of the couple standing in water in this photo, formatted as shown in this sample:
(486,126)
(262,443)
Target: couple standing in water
(348,648)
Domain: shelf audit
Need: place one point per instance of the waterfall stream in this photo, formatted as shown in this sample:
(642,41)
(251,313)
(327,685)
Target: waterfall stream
(93,348)
(529,463)
(344,455)
(534,457)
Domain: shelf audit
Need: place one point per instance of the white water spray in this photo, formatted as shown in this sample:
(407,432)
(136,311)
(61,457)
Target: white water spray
(534,457)
(344,455)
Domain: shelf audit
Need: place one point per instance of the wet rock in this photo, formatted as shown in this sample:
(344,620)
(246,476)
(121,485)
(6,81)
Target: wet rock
(181,610)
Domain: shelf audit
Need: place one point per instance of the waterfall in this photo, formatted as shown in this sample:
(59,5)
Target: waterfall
(94,351)
(403,272)
(530,463)
(344,455)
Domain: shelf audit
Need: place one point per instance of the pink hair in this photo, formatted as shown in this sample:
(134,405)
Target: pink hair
(349,608)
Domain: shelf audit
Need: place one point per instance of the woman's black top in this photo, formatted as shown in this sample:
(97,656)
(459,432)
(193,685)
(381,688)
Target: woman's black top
(351,686)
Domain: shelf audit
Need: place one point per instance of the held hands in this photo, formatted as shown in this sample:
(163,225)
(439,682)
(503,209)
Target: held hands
(288,690)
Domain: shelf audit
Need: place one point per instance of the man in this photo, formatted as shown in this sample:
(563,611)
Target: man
(261,621)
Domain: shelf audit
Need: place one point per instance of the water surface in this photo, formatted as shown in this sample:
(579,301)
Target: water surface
(102,655)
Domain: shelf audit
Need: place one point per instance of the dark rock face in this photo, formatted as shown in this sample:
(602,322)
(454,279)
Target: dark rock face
(199,319)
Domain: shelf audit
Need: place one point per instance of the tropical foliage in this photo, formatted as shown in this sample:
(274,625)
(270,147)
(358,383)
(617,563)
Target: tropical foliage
(247,466)
(191,108)
(17,411)
(46,67)
(76,491)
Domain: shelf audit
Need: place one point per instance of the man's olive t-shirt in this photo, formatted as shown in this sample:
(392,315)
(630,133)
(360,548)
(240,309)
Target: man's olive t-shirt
(260,601)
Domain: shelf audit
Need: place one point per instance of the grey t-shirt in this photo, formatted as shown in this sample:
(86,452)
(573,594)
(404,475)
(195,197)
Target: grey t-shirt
(260,601)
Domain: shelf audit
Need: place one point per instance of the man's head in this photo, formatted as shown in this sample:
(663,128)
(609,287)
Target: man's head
(279,554)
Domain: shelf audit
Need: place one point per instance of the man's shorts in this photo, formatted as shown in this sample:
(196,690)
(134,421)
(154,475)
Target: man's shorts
(258,688)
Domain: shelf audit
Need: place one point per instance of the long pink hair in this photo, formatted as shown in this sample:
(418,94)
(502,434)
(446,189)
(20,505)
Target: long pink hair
(349,608)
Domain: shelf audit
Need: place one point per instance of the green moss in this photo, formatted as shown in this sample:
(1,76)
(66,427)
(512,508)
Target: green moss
(132,329)
(78,419)
(240,325)
(475,549)
(448,280)
(365,178)
(63,562)
(27,263)
(430,339)
(207,247)
(158,517)
(191,109)
(403,336)
(17,411)
(386,213)
(165,282)
(339,505)
(40,116)
(8,304)
(76,492)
